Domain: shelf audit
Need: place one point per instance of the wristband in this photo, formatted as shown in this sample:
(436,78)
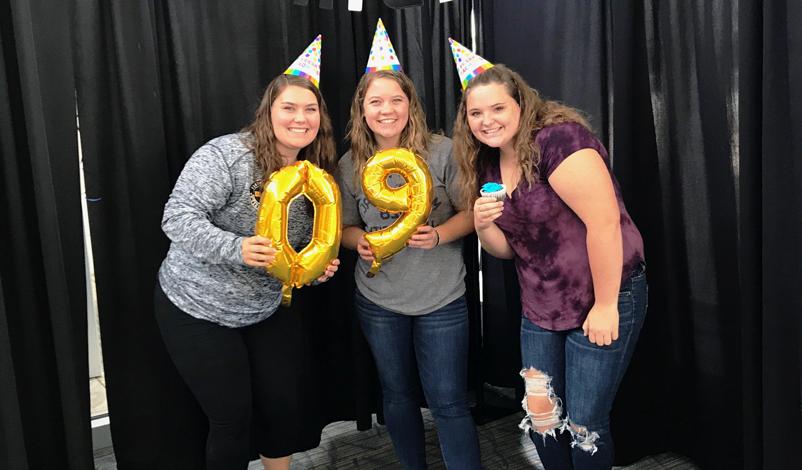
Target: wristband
(438,237)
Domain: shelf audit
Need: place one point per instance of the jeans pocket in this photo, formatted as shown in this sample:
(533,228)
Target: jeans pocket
(626,305)
(646,306)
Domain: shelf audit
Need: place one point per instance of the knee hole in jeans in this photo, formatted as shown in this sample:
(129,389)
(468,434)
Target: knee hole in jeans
(582,437)
(542,406)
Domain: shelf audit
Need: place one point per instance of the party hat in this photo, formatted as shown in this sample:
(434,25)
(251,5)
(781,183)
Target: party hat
(307,65)
(382,54)
(469,64)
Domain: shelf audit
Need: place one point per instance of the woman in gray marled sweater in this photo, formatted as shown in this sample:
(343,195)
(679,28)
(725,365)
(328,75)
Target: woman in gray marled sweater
(247,360)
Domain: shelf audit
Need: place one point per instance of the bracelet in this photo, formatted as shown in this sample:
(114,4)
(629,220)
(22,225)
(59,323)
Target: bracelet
(438,237)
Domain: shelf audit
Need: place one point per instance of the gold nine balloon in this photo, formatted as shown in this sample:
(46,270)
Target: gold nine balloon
(413,199)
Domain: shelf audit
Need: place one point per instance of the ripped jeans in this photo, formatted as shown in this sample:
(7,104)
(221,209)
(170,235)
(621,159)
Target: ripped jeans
(579,379)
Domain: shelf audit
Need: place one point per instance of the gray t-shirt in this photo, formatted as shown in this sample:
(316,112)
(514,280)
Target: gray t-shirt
(414,281)
(212,208)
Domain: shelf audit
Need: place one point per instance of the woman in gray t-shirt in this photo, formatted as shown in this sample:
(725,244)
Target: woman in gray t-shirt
(247,360)
(413,312)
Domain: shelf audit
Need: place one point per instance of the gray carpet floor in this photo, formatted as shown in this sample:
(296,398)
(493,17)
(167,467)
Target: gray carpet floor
(503,446)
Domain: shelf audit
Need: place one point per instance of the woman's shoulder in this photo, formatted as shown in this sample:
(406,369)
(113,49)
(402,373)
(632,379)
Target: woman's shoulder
(230,147)
(440,145)
(559,141)
(346,161)
(227,145)
(565,131)
(237,141)
(440,141)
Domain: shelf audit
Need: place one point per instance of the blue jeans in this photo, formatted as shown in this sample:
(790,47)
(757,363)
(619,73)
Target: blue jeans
(584,379)
(434,349)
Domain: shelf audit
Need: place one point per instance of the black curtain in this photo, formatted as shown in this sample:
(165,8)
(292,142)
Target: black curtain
(698,103)
(44,393)
(778,216)
(155,80)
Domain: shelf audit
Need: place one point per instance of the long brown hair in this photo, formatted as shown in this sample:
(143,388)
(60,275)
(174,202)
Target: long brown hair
(262,139)
(536,113)
(415,135)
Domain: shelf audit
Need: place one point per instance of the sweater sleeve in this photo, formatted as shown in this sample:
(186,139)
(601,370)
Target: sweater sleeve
(204,187)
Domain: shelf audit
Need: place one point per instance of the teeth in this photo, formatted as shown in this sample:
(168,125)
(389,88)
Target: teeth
(298,131)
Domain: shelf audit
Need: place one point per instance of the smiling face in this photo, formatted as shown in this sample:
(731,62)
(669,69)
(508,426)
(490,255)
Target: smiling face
(493,116)
(295,118)
(386,110)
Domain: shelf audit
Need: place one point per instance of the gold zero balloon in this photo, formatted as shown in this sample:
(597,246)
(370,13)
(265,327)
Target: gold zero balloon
(413,200)
(297,269)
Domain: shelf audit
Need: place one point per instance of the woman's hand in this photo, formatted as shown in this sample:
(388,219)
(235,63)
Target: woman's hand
(258,251)
(601,325)
(426,237)
(363,248)
(485,211)
(330,270)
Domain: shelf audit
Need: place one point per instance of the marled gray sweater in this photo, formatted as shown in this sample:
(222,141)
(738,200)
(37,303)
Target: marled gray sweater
(210,211)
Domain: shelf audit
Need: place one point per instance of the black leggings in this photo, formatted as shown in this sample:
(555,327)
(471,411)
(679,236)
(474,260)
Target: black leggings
(256,378)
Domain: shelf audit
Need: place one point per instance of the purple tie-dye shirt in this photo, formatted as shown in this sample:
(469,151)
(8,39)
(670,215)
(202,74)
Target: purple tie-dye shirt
(549,239)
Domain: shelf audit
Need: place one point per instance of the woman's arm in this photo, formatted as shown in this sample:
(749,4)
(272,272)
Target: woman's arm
(351,236)
(456,227)
(583,182)
(354,239)
(203,187)
(485,211)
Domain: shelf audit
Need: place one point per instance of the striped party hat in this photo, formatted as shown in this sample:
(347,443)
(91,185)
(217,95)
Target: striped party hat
(382,54)
(469,64)
(307,65)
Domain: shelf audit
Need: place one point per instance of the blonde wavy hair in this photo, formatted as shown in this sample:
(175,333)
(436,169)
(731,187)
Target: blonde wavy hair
(262,140)
(415,136)
(536,113)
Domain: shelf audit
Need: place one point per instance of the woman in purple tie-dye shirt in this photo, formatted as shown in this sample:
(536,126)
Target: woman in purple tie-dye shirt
(578,255)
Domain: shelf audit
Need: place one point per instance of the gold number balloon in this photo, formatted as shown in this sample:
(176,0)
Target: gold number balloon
(413,199)
(292,268)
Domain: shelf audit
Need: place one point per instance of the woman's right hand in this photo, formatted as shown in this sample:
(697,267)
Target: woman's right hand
(258,251)
(363,248)
(485,211)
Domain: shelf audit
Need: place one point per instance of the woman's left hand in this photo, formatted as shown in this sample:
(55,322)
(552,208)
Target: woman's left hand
(601,325)
(330,270)
(426,237)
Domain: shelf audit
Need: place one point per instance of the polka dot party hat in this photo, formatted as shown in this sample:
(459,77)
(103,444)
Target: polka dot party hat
(469,64)
(307,65)
(382,54)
